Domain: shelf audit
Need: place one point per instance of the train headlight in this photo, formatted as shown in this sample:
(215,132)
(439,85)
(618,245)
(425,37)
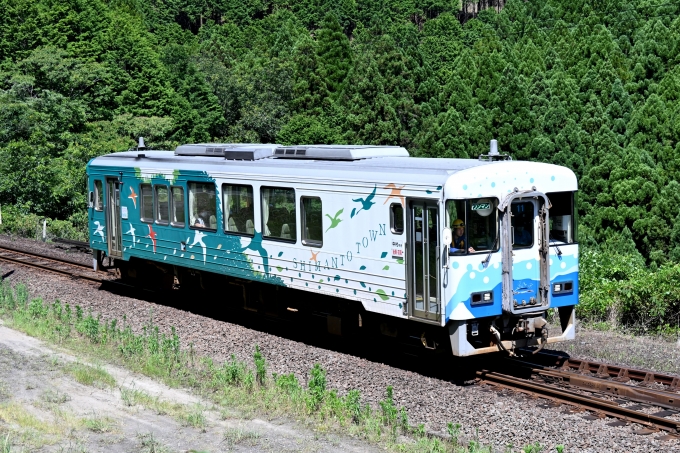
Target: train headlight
(563,287)
(481,298)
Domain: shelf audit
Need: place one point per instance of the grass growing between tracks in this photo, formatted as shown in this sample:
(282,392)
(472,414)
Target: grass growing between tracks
(232,386)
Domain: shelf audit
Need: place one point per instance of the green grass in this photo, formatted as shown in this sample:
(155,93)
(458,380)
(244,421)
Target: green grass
(90,375)
(233,385)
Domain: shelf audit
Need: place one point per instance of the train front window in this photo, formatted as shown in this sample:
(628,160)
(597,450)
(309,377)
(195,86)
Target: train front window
(522,224)
(238,209)
(202,205)
(474,225)
(562,218)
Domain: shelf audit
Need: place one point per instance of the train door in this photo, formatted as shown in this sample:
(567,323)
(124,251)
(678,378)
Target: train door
(525,270)
(423,264)
(113,223)
(524,243)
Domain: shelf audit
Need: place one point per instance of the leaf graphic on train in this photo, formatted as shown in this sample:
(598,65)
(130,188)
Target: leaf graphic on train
(321,280)
(279,268)
(362,268)
(279,255)
(386,268)
(336,278)
(362,284)
(400,261)
(383,254)
(382,294)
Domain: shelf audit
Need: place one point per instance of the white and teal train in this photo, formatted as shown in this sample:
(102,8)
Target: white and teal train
(471,252)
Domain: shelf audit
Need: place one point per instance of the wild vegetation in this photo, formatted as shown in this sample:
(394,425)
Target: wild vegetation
(591,85)
(231,385)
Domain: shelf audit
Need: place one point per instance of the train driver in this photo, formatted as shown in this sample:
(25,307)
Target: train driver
(459,242)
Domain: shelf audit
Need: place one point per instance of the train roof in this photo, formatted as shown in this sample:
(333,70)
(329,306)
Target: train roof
(368,164)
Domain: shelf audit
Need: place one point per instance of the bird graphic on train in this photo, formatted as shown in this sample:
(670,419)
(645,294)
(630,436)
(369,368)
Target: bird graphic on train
(99,230)
(365,203)
(133,196)
(335,221)
(152,236)
(132,232)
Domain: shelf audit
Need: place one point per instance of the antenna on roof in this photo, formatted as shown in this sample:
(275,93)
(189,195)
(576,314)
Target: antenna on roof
(141,144)
(494,154)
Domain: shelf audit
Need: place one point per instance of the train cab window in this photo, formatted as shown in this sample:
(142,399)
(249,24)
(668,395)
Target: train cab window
(146,208)
(562,217)
(522,224)
(312,221)
(239,213)
(278,214)
(397,218)
(177,218)
(98,196)
(474,225)
(162,205)
(202,205)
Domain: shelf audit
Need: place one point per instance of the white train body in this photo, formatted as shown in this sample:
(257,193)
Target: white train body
(363,224)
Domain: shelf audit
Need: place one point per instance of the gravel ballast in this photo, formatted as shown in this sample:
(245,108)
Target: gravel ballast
(484,415)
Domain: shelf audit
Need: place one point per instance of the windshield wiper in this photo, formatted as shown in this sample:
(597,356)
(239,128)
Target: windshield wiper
(485,261)
(559,252)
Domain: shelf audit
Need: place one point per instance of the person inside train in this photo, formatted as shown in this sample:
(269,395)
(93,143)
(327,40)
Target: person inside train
(459,243)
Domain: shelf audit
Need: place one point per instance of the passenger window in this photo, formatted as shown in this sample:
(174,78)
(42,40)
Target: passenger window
(396,218)
(522,224)
(562,218)
(147,203)
(474,225)
(238,209)
(162,205)
(177,206)
(312,222)
(98,196)
(202,205)
(278,213)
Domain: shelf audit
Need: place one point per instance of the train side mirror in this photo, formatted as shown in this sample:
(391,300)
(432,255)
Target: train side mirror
(447,237)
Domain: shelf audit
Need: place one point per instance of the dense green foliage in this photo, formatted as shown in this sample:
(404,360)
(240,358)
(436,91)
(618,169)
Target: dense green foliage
(591,85)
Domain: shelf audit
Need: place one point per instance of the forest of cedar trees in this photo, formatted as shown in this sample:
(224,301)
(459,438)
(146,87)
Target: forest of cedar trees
(591,85)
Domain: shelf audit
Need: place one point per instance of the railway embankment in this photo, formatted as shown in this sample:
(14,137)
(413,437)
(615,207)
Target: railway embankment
(487,417)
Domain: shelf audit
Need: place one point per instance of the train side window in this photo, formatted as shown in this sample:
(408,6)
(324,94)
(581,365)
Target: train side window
(146,208)
(562,217)
(312,221)
(278,214)
(98,196)
(239,213)
(202,205)
(397,218)
(177,218)
(162,205)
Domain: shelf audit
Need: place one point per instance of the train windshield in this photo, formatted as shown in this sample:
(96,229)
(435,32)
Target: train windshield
(474,225)
(562,218)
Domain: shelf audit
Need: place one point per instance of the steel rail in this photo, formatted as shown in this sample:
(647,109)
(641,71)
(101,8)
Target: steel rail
(47,257)
(618,373)
(25,262)
(588,402)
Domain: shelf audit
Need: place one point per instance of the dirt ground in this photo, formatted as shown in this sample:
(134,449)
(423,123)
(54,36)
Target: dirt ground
(44,408)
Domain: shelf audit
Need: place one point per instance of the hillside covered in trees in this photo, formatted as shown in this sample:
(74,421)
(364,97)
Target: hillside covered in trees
(593,85)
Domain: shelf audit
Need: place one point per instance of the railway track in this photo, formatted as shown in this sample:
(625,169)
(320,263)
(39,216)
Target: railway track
(48,263)
(626,394)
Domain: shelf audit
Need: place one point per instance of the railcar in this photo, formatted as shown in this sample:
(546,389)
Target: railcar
(470,253)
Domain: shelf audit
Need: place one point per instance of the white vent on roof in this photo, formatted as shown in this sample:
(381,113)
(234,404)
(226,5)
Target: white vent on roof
(230,151)
(338,152)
